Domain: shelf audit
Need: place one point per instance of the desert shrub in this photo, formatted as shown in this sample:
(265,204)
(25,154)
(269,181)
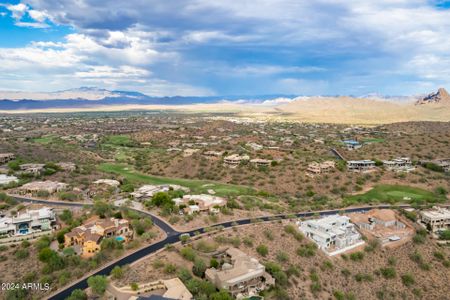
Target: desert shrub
(262,250)
(307,250)
(408,279)
(357,256)
(388,272)
(188,253)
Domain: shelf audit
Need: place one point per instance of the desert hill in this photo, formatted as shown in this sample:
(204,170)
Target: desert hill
(439,97)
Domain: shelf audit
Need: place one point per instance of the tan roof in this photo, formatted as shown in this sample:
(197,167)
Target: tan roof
(176,290)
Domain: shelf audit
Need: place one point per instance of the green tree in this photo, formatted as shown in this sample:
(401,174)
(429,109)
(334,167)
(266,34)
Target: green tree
(98,284)
(199,267)
(221,295)
(117,272)
(77,295)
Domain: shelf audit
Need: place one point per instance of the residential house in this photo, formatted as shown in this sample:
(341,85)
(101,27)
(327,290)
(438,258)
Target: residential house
(316,168)
(241,275)
(360,165)
(88,237)
(254,146)
(213,154)
(189,152)
(6,157)
(47,186)
(352,144)
(235,160)
(28,222)
(333,234)
(200,203)
(67,166)
(400,164)
(5,179)
(383,224)
(436,219)
(147,191)
(259,162)
(34,169)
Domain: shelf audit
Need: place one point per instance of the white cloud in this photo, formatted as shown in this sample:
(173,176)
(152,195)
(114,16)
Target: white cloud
(20,10)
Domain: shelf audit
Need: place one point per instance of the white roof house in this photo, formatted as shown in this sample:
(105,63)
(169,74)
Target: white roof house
(110,182)
(203,202)
(437,218)
(5,179)
(47,186)
(28,222)
(148,190)
(333,234)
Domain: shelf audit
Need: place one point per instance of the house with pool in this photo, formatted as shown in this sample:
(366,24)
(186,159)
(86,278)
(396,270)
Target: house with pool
(28,222)
(86,239)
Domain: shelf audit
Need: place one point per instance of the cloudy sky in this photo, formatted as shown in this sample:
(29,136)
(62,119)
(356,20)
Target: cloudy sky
(223,47)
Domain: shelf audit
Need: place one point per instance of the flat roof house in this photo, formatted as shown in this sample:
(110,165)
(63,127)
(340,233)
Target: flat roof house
(5,179)
(28,222)
(436,219)
(35,169)
(234,160)
(6,157)
(332,234)
(360,165)
(241,274)
(259,162)
(316,168)
(213,154)
(202,202)
(148,190)
(400,164)
(48,186)
(352,144)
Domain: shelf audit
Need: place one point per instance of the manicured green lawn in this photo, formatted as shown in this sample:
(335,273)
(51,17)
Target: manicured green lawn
(119,140)
(376,140)
(196,186)
(47,139)
(394,194)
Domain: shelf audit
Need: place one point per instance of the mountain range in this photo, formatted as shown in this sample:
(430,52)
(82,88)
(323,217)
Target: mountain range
(369,109)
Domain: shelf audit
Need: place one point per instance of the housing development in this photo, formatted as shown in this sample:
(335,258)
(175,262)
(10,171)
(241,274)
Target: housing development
(224,150)
(242,209)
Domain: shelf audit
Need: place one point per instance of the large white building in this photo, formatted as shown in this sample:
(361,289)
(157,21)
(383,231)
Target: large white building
(147,191)
(436,219)
(28,222)
(5,179)
(400,164)
(332,234)
(360,165)
(202,202)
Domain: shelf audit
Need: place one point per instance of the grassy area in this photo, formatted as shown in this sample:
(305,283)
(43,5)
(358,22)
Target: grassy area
(375,140)
(395,194)
(47,139)
(119,140)
(196,186)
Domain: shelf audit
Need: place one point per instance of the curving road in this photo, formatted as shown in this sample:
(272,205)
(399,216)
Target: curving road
(173,236)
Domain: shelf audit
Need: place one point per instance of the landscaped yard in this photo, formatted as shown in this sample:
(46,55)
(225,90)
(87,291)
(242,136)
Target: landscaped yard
(395,194)
(196,186)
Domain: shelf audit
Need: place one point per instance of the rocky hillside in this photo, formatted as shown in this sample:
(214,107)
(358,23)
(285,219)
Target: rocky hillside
(440,97)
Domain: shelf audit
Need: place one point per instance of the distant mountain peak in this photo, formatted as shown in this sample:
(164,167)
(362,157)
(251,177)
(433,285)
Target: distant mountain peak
(441,96)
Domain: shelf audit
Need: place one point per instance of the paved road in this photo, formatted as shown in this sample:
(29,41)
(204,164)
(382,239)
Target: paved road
(173,236)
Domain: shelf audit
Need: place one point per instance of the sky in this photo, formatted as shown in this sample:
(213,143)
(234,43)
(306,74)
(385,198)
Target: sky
(222,47)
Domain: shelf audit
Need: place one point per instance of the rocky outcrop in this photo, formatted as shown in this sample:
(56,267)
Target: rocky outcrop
(441,97)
